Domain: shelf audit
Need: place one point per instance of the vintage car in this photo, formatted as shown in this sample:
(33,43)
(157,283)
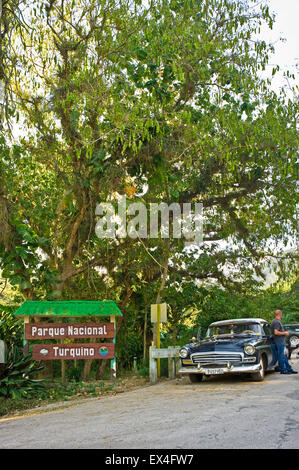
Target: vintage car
(239,346)
(292,341)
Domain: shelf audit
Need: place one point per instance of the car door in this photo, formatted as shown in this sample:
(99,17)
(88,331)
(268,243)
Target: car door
(266,332)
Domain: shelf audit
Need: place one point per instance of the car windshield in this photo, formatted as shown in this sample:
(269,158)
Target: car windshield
(235,329)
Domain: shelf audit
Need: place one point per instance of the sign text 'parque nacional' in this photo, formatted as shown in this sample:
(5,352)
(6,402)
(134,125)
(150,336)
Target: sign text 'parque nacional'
(68,330)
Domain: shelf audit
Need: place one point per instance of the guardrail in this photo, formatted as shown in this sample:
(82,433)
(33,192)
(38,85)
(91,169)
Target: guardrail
(171,353)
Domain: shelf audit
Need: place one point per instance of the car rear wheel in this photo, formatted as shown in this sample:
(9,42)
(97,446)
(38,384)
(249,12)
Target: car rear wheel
(260,375)
(195,378)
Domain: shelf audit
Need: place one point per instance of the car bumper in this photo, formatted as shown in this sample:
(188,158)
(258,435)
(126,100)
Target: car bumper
(246,369)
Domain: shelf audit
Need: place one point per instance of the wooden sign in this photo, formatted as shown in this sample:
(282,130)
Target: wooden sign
(163,313)
(68,330)
(73,351)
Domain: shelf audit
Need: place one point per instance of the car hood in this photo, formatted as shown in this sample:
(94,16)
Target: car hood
(223,344)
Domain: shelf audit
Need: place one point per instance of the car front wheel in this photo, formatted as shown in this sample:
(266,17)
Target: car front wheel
(294,341)
(260,375)
(195,378)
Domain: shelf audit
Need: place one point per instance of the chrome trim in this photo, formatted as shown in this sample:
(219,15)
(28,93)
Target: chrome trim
(249,359)
(233,370)
(216,357)
(187,362)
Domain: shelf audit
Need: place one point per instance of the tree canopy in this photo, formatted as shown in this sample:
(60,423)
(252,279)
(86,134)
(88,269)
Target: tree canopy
(162,101)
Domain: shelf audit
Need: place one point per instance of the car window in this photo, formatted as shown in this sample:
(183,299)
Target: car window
(267,329)
(292,327)
(234,328)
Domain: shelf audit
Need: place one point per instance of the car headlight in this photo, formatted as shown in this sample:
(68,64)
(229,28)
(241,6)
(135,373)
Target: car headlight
(249,349)
(184,353)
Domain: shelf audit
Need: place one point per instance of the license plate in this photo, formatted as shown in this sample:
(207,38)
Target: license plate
(214,371)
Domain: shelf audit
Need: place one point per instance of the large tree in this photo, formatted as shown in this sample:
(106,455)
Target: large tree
(162,101)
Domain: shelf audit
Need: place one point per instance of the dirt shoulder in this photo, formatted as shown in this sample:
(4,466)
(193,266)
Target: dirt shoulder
(88,392)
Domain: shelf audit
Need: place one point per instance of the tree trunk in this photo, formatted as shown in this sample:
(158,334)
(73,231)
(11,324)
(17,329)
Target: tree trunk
(101,369)
(87,364)
(159,295)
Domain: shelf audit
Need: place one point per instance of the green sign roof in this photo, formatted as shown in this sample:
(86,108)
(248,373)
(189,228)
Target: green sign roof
(73,308)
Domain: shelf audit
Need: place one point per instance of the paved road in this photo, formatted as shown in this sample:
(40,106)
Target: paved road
(220,413)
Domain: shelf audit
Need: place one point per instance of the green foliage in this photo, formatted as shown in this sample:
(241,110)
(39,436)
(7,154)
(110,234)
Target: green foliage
(16,378)
(11,329)
(170,99)
(74,373)
(167,96)
(54,391)
(143,368)
(129,343)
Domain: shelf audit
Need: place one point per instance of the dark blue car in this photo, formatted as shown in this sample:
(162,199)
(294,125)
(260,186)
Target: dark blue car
(292,341)
(239,346)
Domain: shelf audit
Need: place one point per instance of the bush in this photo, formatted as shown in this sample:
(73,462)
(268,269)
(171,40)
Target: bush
(143,369)
(11,328)
(16,376)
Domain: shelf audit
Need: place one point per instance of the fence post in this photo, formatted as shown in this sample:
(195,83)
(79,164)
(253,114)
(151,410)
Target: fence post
(171,362)
(177,362)
(153,365)
(3,352)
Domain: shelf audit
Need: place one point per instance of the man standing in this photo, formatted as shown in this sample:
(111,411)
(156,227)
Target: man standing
(278,335)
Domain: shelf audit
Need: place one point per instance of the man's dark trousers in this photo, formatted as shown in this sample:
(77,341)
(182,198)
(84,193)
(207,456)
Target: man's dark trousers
(283,363)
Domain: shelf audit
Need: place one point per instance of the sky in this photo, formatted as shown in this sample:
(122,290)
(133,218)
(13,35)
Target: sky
(286,52)
(286,26)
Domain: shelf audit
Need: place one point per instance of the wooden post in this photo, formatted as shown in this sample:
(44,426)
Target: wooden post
(153,365)
(3,353)
(113,361)
(62,367)
(171,362)
(144,335)
(177,362)
(158,336)
(25,341)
